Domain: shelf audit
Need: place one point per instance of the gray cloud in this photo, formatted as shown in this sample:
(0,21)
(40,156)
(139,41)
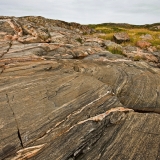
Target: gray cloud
(86,11)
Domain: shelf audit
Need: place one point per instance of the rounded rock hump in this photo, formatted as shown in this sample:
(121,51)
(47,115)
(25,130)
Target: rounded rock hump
(66,94)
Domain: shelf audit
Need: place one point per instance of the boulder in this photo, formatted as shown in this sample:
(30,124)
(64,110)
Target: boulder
(143,44)
(121,37)
(146,37)
(111,44)
(113,47)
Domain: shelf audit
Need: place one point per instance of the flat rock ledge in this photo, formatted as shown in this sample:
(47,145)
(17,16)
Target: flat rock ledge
(57,105)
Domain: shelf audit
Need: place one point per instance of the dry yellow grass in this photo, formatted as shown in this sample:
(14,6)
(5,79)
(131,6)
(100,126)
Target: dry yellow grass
(135,34)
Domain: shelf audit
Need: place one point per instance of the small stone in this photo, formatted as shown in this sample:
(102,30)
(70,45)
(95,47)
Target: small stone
(48,68)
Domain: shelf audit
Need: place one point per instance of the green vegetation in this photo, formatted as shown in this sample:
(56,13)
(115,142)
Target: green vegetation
(126,26)
(134,31)
(155,42)
(115,50)
(79,40)
(138,58)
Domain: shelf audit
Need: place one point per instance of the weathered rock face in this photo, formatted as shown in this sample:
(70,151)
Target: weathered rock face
(137,54)
(54,105)
(36,36)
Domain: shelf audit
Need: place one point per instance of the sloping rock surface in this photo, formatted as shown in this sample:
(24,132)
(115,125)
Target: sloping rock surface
(64,97)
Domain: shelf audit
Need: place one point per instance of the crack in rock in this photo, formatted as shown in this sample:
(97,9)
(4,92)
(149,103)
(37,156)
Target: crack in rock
(18,131)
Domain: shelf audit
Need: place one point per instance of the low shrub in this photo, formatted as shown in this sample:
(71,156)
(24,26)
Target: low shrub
(115,50)
(79,40)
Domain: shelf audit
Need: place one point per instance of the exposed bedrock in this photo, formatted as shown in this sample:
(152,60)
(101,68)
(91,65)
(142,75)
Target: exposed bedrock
(135,83)
(64,97)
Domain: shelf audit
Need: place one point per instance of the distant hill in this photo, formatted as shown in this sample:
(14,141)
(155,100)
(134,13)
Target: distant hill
(154,26)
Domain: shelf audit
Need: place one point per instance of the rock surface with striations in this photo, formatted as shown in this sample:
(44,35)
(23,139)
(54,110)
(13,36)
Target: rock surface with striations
(64,97)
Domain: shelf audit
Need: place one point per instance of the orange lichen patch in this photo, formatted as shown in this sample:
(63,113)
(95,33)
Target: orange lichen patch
(28,152)
(100,117)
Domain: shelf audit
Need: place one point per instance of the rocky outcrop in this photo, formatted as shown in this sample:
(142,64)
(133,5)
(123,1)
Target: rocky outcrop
(64,97)
(137,54)
(37,36)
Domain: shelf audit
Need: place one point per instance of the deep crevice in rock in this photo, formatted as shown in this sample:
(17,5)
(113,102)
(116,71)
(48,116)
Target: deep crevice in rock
(20,138)
(10,45)
(146,111)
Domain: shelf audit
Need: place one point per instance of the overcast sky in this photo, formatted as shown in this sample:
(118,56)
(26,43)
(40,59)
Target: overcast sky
(86,11)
